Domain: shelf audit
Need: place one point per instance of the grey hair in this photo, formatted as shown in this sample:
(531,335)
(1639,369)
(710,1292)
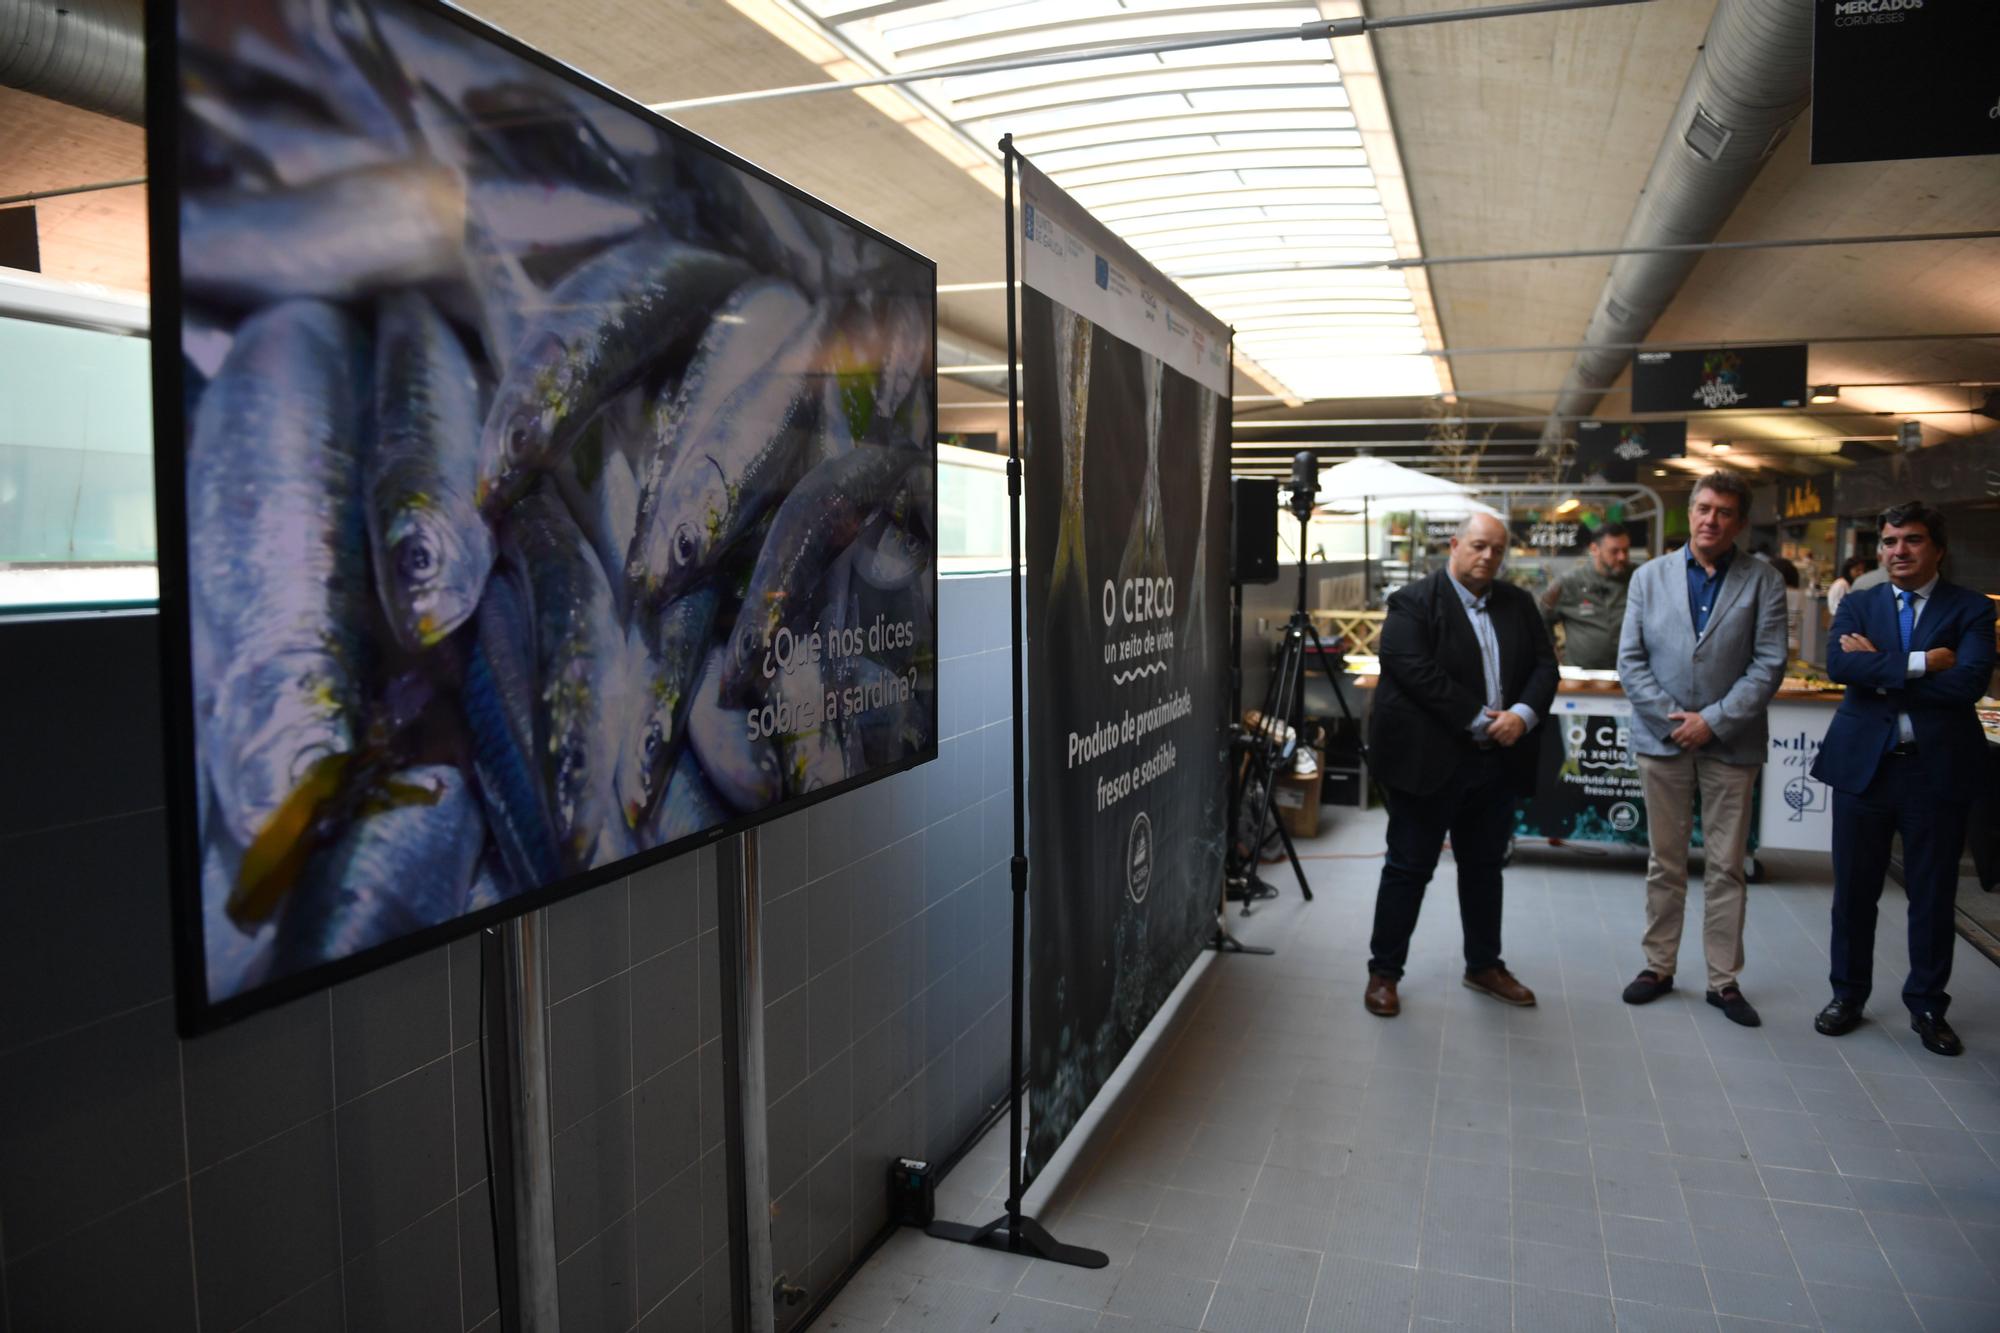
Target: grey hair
(1464,528)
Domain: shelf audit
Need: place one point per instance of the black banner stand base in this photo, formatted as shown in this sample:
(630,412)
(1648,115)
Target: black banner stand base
(1019,1235)
(1224,942)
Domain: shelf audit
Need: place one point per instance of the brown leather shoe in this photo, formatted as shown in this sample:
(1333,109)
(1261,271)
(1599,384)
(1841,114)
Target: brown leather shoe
(1381,998)
(1500,984)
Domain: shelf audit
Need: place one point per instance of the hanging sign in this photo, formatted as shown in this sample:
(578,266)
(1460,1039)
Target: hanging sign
(1709,381)
(1804,498)
(1899,79)
(1615,450)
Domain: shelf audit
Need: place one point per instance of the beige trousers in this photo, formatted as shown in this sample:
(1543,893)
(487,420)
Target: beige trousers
(1725,832)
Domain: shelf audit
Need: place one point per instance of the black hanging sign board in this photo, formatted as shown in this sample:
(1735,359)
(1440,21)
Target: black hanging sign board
(1615,450)
(20,246)
(1899,79)
(1724,377)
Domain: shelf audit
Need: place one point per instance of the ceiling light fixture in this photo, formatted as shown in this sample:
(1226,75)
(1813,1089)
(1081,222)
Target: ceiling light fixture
(1720,447)
(1826,393)
(1568,505)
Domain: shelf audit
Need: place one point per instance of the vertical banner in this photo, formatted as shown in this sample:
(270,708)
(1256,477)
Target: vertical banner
(1126,399)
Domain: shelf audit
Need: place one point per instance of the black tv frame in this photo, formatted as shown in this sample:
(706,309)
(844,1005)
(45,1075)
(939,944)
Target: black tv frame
(196,1013)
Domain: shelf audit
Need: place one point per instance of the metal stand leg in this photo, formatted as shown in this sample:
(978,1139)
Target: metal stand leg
(514,1014)
(739,915)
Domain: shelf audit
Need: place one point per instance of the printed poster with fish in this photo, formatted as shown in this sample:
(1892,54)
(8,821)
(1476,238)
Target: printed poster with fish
(1589,788)
(541,488)
(1126,398)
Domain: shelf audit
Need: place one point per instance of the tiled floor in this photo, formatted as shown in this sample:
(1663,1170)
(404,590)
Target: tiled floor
(1284,1161)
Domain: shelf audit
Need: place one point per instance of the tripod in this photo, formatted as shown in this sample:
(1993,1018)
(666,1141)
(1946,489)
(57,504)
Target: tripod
(1256,753)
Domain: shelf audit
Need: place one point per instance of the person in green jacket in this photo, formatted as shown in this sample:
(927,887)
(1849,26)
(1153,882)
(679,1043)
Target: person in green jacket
(1589,601)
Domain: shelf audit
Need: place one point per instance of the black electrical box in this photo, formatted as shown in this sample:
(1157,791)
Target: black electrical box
(912,1192)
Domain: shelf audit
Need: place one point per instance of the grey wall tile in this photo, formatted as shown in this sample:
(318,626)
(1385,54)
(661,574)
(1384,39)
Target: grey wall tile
(266,1224)
(954,851)
(829,1106)
(666,1009)
(785,947)
(89,1122)
(593,1169)
(408,1283)
(708,1067)
(462,960)
(479,1287)
(787,1041)
(90,905)
(830,1017)
(591,1050)
(257,1078)
(790,1215)
(953,782)
(668,1229)
(666,1124)
(589,938)
(785,1131)
(66,1284)
(469,1116)
(389,1022)
(320,1308)
(784,860)
(397,1161)
(663,906)
(828,914)
(595,1285)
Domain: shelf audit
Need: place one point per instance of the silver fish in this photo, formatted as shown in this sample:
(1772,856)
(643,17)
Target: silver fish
(689,806)
(498,700)
(286,144)
(734,350)
(336,239)
(743,771)
(579,658)
(603,326)
(431,548)
(741,452)
(817,521)
(813,755)
(276,562)
(664,657)
(403,865)
(527,217)
(234,959)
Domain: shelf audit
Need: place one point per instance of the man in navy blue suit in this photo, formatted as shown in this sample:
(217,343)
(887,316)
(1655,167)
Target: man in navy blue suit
(1904,755)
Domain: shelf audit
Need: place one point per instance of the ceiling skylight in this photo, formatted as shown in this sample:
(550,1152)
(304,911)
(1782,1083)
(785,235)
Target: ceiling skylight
(1242,172)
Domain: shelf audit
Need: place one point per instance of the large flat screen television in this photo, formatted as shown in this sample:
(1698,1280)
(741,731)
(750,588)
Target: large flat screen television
(542,490)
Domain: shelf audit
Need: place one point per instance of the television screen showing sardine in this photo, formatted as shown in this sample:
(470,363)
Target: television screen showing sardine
(556,489)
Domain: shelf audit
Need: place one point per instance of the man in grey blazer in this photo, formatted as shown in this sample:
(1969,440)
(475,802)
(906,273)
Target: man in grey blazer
(1701,654)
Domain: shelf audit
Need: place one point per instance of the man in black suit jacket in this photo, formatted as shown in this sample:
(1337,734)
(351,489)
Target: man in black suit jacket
(1904,754)
(1467,671)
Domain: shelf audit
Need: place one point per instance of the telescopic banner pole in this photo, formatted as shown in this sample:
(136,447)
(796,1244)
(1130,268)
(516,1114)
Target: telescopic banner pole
(1012,1231)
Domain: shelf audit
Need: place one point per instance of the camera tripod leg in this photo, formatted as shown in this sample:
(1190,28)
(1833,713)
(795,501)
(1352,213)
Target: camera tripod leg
(1292,853)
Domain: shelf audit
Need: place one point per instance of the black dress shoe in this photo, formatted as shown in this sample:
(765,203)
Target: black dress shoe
(1734,1007)
(1647,987)
(1937,1034)
(1839,1018)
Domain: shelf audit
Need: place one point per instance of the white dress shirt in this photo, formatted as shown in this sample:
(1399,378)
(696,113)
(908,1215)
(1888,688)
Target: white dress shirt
(1489,658)
(1915,667)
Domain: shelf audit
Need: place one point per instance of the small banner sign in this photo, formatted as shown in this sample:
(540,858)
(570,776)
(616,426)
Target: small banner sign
(1725,377)
(1897,79)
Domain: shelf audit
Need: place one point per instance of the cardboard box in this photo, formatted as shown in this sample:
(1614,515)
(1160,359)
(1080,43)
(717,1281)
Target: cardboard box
(1295,801)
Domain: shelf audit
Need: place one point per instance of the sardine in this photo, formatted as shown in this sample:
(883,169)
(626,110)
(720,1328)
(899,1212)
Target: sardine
(1073,343)
(285,145)
(664,658)
(892,726)
(689,806)
(277,568)
(431,548)
(735,349)
(1146,540)
(606,324)
(337,239)
(741,453)
(579,658)
(894,548)
(596,481)
(743,771)
(1205,445)
(817,521)
(498,696)
(234,959)
(527,217)
(406,863)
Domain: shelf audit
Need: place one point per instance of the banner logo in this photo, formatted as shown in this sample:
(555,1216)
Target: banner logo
(1103,273)
(1721,384)
(1624,816)
(1631,443)
(1139,858)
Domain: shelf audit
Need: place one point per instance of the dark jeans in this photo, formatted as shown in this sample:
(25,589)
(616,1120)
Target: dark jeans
(1477,811)
(1932,823)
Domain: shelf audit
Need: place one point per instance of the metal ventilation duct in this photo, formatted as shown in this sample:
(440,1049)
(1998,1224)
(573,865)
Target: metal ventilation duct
(1751,79)
(87,53)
